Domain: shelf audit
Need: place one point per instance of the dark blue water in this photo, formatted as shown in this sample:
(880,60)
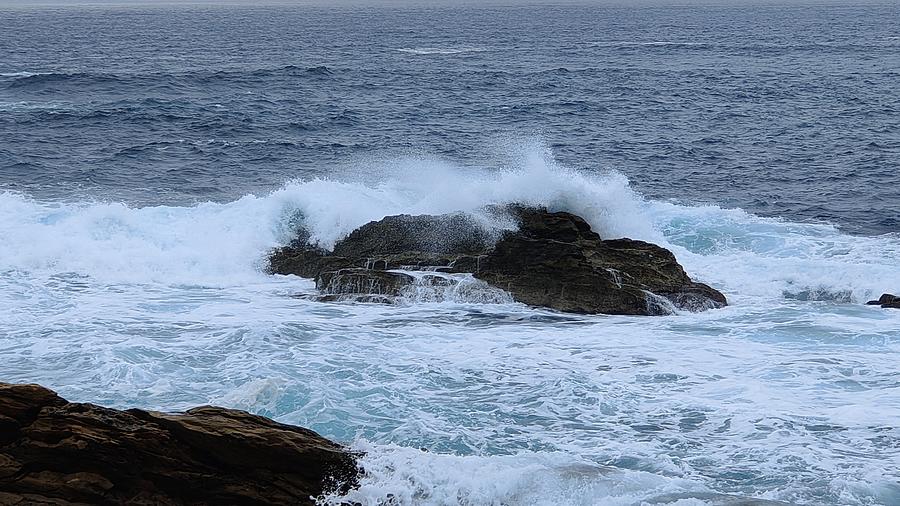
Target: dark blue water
(781,111)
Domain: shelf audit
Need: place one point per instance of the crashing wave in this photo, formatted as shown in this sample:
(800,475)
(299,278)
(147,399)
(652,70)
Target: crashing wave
(221,243)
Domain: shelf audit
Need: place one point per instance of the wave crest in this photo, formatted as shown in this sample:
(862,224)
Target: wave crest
(746,256)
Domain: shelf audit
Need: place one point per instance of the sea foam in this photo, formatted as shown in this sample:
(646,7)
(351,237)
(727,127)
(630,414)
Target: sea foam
(222,243)
(167,307)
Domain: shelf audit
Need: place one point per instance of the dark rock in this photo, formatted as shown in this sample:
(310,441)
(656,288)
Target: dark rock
(56,452)
(363,281)
(305,261)
(448,243)
(886,301)
(414,261)
(538,223)
(309,262)
(450,233)
(552,260)
(556,261)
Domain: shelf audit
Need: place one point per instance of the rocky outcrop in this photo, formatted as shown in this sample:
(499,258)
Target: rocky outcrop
(551,259)
(886,301)
(555,260)
(446,243)
(56,452)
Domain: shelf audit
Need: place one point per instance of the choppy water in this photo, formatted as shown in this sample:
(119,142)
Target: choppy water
(149,158)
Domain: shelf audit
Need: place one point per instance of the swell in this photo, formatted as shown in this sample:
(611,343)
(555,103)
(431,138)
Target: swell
(40,81)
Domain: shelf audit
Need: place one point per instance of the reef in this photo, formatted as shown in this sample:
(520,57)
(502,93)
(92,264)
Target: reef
(543,259)
(57,452)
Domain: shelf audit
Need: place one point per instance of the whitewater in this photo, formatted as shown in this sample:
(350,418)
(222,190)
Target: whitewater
(789,394)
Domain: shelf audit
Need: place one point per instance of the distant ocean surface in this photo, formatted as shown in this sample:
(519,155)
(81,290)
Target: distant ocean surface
(150,157)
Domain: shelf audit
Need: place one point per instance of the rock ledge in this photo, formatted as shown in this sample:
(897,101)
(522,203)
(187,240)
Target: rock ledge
(62,453)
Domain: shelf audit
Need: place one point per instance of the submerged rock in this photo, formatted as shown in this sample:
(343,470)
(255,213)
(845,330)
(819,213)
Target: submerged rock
(553,260)
(56,452)
(886,301)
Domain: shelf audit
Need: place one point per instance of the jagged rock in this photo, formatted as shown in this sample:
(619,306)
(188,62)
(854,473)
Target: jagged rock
(886,301)
(56,452)
(310,262)
(555,260)
(363,281)
(390,287)
(552,260)
(305,261)
(455,233)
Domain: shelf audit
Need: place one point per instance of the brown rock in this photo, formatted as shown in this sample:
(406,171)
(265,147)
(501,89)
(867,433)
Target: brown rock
(886,301)
(454,233)
(305,261)
(553,260)
(363,282)
(56,452)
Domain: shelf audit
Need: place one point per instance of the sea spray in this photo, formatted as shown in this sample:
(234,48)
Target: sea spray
(211,242)
(220,243)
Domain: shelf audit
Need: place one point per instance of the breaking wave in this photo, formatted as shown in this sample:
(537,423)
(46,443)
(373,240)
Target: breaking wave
(222,243)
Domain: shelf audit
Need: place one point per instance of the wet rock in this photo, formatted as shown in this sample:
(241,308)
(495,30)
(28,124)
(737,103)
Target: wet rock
(455,233)
(305,261)
(886,301)
(363,282)
(538,223)
(56,452)
(553,260)
(309,262)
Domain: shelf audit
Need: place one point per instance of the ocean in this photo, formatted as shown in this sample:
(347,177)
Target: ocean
(152,156)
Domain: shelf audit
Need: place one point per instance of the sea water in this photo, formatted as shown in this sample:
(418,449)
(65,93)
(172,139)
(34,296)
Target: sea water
(151,157)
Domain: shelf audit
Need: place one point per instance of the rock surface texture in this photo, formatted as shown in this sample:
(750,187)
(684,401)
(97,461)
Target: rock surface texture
(546,259)
(61,453)
(886,301)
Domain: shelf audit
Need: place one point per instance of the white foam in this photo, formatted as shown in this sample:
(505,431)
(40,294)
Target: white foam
(440,50)
(438,287)
(750,256)
(20,74)
(207,243)
(332,209)
(637,43)
(214,243)
(34,106)
(407,476)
